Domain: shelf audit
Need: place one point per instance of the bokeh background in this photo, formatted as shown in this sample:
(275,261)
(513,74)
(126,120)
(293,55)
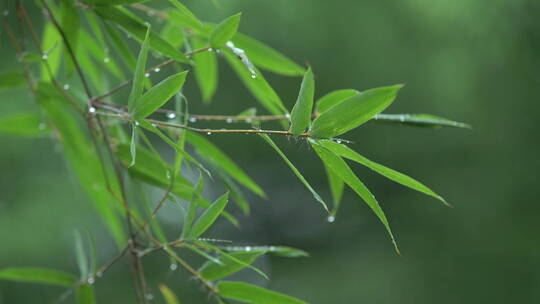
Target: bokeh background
(469,60)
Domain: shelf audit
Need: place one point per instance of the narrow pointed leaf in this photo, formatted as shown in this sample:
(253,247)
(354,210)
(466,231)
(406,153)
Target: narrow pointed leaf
(353,112)
(38,275)
(230,263)
(22,124)
(85,294)
(224,31)
(420,120)
(391,174)
(209,216)
(341,169)
(266,57)
(183,16)
(236,194)
(12,80)
(283,251)
(333,98)
(293,168)
(80,254)
(301,112)
(168,295)
(336,187)
(157,96)
(252,294)
(51,45)
(138,77)
(113,2)
(191,213)
(206,71)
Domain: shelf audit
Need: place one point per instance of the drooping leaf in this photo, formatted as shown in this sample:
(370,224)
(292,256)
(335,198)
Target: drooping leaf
(137,85)
(80,254)
(206,71)
(183,16)
(283,251)
(71,25)
(266,57)
(191,213)
(37,275)
(137,28)
(85,294)
(113,2)
(224,31)
(302,110)
(22,124)
(157,96)
(341,169)
(336,187)
(209,216)
(293,168)
(252,294)
(12,80)
(333,98)
(52,47)
(353,112)
(230,263)
(391,174)
(420,120)
(168,295)
(236,193)
(211,153)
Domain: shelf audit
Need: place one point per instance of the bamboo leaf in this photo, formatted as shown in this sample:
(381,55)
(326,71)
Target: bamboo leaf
(189,217)
(341,169)
(22,124)
(333,98)
(157,96)
(183,16)
(37,275)
(137,86)
(80,254)
(353,112)
(248,293)
(283,251)
(209,216)
(206,70)
(224,31)
(296,172)
(12,80)
(230,263)
(301,112)
(51,45)
(420,120)
(113,2)
(85,294)
(168,295)
(391,174)
(336,187)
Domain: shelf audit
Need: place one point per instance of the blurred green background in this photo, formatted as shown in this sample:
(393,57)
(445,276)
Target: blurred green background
(469,60)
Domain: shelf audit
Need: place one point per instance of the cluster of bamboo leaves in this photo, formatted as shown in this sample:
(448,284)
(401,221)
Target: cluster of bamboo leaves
(99,36)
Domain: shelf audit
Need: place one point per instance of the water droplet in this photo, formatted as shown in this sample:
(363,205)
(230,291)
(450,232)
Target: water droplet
(147,23)
(157,70)
(253,75)
(99,274)
(330,218)
(92,110)
(91,280)
(247,249)
(42,126)
(218,51)
(168,174)
(229,120)
(44,56)
(338,141)
(129,36)
(402,118)
(192,119)
(173,267)
(146,75)
(149,296)
(154,125)
(248,120)
(106,59)
(208,133)
(6,12)
(272,248)
(288,116)
(210,49)
(66,87)
(171,115)
(137,123)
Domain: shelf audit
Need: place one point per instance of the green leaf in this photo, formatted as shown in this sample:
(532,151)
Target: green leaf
(157,96)
(173,35)
(293,168)
(211,153)
(353,112)
(22,124)
(224,31)
(420,120)
(85,294)
(302,110)
(37,275)
(209,216)
(236,194)
(283,251)
(137,86)
(266,57)
(336,187)
(333,98)
(168,295)
(391,174)
(341,169)
(120,46)
(183,16)
(137,28)
(230,263)
(12,80)
(248,293)
(133,144)
(206,70)
(259,87)
(80,254)
(70,24)
(52,47)
(189,217)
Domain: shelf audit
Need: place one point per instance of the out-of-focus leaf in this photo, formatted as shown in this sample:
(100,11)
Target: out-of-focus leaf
(266,57)
(283,251)
(190,215)
(138,29)
(38,275)
(293,168)
(230,263)
(206,70)
(168,295)
(89,46)
(391,174)
(183,16)
(113,2)
(333,98)
(85,294)
(341,169)
(224,31)
(302,110)
(137,85)
(209,216)
(236,194)
(157,96)
(80,254)
(258,86)
(22,124)
(420,120)
(120,46)
(336,187)
(52,47)
(71,24)
(12,80)
(173,35)
(211,153)
(353,112)
(252,294)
